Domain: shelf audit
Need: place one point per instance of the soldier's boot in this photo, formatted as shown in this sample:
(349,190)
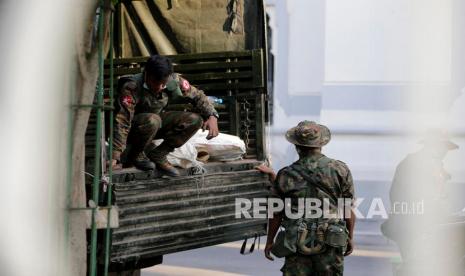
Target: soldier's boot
(165,167)
(158,156)
(145,127)
(143,163)
(140,161)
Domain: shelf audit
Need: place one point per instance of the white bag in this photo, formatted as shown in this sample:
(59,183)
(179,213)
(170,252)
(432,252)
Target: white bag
(224,147)
(184,156)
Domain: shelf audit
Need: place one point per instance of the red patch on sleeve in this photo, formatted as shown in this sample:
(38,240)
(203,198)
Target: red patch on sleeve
(185,85)
(127,100)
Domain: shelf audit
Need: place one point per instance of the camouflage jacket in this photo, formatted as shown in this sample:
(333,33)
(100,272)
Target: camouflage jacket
(134,97)
(333,176)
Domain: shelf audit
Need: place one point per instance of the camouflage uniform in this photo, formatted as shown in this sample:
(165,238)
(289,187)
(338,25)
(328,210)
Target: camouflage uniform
(140,118)
(293,182)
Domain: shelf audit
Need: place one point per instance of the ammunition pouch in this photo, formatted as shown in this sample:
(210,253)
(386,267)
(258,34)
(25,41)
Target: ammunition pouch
(310,237)
(315,236)
(337,235)
(286,241)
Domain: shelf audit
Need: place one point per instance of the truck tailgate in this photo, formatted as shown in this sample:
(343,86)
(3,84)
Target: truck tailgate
(159,216)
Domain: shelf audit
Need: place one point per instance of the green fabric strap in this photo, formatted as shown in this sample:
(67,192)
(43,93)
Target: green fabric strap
(313,180)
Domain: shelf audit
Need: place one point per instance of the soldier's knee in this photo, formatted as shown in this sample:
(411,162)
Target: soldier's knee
(149,122)
(154,120)
(196,121)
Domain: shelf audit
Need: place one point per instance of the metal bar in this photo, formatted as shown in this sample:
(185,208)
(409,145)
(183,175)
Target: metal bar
(110,157)
(218,76)
(69,177)
(98,145)
(181,58)
(119,31)
(260,126)
(104,107)
(183,68)
(257,60)
(213,55)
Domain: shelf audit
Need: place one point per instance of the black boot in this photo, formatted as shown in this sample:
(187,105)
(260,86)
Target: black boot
(165,167)
(142,163)
(158,156)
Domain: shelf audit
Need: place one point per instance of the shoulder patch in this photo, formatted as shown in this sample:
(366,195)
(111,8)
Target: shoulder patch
(127,100)
(185,85)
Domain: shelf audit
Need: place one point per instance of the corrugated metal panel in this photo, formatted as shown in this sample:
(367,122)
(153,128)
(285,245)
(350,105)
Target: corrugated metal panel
(165,215)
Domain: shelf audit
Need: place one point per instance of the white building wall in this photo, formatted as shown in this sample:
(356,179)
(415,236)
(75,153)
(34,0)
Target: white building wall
(366,69)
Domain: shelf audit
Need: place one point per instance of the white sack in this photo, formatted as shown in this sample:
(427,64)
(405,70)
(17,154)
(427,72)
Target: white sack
(184,156)
(224,147)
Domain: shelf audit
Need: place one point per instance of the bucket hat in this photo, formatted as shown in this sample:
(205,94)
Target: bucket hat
(309,134)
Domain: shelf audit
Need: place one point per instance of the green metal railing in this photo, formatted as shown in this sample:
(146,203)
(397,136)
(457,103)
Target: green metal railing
(98,150)
(98,166)
(98,146)
(110,149)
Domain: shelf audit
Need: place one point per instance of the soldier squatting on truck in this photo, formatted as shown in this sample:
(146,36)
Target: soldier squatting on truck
(140,117)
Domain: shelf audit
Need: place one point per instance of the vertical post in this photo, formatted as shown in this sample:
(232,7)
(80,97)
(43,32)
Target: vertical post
(98,145)
(118,46)
(110,151)
(69,178)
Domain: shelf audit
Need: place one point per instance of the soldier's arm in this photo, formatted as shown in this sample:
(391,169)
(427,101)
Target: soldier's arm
(203,105)
(124,112)
(350,223)
(348,193)
(278,190)
(273,226)
(275,221)
(198,98)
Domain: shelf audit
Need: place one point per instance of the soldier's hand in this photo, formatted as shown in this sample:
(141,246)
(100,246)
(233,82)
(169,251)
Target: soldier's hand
(350,248)
(265,169)
(268,247)
(212,126)
(114,164)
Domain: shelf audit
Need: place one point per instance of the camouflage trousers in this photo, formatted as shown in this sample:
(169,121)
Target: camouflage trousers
(328,263)
(174,127)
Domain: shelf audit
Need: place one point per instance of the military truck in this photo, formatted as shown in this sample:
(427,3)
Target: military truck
(221,48)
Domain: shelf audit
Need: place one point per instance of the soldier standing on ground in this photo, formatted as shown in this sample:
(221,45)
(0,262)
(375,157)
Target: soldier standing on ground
(318,177)
(140,116)
(419,205)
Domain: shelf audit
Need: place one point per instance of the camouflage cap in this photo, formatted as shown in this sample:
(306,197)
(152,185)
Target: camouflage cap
(309,134)
(435,137)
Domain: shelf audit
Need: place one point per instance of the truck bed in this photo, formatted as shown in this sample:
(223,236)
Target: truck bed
(161,215)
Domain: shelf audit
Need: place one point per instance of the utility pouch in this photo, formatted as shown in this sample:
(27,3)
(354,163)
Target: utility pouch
(280,247)
(337,235)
